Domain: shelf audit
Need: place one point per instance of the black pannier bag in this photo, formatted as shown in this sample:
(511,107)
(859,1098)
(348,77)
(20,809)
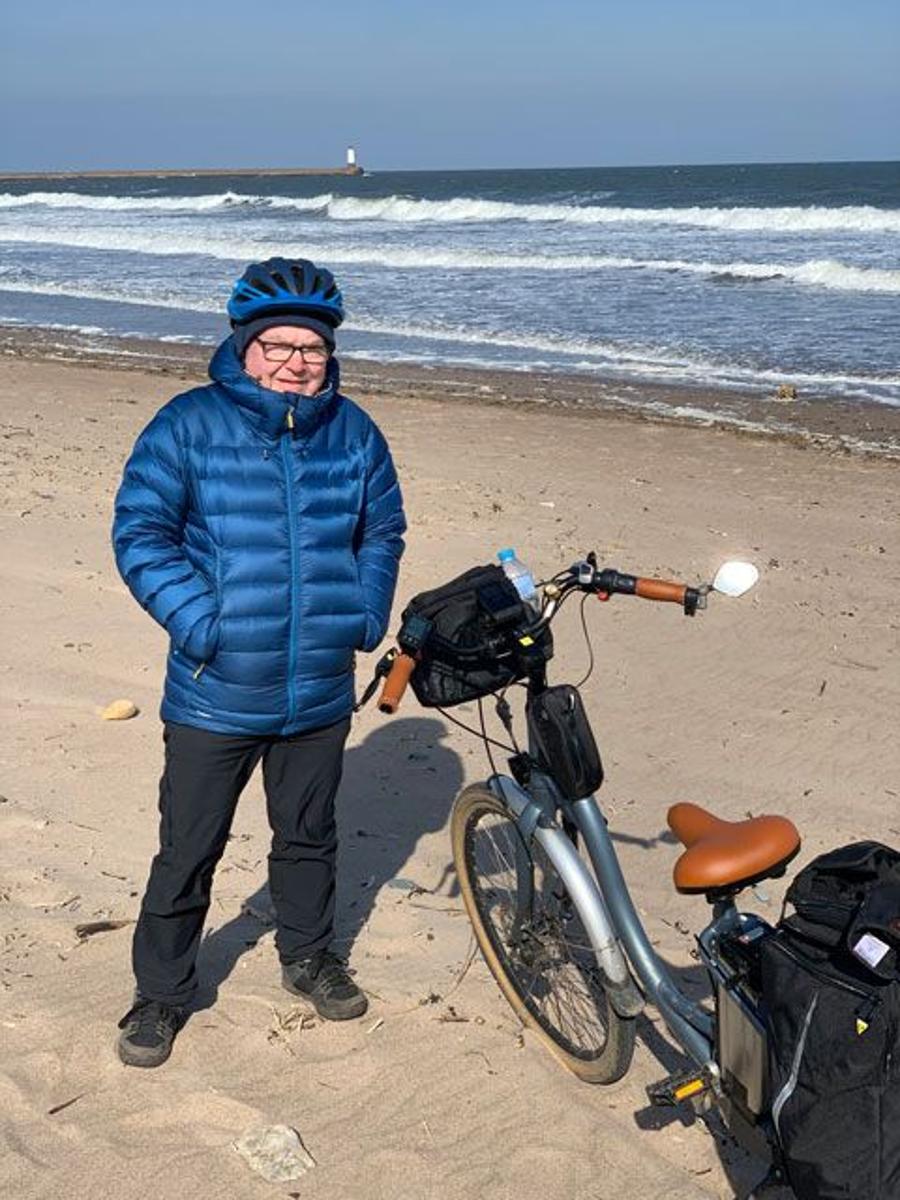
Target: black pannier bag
(831,991)
(563,742)
(448,628)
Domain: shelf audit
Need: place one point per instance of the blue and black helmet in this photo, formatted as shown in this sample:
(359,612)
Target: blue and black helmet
(293,288)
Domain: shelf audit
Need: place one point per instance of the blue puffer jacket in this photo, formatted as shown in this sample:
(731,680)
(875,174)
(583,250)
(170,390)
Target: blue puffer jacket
(264,532)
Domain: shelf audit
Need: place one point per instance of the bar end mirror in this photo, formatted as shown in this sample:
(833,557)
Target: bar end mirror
(734,578)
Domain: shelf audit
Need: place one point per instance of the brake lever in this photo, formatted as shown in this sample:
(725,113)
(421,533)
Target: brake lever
(382,669)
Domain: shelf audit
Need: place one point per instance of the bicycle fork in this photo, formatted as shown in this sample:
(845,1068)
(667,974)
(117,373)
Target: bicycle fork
(534,822)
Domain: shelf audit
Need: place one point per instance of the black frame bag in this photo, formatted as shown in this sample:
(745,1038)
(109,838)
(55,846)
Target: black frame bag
(563,742)
(471,638)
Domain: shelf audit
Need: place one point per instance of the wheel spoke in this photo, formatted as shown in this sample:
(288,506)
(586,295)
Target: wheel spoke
(548,957)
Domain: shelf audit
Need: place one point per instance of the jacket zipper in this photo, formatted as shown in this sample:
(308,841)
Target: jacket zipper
(286,439)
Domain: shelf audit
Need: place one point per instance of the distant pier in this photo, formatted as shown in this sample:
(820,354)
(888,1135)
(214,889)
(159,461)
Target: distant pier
(182,173)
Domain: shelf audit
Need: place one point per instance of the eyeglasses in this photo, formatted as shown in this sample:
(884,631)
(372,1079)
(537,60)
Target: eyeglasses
(281,352)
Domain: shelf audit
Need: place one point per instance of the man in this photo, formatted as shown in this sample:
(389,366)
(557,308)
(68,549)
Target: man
(260,522)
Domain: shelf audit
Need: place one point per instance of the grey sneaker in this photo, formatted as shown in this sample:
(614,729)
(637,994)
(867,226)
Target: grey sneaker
(324,980)
(148,1031)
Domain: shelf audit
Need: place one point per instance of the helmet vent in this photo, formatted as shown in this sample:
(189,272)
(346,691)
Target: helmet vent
(286,286)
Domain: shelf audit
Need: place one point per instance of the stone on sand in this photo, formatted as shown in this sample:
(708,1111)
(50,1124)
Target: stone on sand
(120,710)
(275,1152)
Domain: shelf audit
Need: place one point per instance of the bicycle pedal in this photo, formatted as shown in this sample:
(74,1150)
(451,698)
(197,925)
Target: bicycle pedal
(686,1085)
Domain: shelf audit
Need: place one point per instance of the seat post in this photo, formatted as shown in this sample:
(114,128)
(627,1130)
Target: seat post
(722,906)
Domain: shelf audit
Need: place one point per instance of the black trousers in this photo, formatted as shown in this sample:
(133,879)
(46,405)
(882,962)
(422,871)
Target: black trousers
(204,775)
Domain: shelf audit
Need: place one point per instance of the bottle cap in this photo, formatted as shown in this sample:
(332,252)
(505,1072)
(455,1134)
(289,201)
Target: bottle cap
(507,554)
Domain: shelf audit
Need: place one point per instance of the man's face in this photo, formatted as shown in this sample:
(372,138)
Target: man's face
(273,360)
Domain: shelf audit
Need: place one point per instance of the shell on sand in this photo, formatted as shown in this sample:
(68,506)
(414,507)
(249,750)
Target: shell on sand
(120,710)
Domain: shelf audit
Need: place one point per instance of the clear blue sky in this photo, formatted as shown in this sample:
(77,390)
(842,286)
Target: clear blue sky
(92,83)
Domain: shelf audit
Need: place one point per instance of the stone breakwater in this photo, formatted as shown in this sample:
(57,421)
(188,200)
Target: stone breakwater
(179,173)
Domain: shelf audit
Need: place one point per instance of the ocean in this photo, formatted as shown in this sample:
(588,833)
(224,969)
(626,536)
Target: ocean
(725,277)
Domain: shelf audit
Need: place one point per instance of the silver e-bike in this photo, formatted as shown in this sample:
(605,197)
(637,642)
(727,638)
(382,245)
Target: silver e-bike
(558,928)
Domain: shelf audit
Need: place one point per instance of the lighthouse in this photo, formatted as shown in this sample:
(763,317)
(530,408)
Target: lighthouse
(352,167)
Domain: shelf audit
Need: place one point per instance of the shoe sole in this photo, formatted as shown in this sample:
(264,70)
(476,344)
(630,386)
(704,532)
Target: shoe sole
(347,1010)
(140,1056)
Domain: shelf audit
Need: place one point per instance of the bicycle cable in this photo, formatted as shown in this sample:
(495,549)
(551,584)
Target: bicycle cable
(485,738)
(587,637)
(475,732)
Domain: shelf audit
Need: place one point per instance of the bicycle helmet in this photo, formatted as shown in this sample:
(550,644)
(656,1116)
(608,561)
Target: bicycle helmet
(285,291)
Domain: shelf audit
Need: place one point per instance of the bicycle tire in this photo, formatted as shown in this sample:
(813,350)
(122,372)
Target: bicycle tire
(545,965)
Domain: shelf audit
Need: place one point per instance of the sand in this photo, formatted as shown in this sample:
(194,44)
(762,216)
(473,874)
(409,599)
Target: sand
(783,701)
(804,416)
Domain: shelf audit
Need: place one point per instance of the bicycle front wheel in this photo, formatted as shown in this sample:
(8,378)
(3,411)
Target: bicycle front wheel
(534,941)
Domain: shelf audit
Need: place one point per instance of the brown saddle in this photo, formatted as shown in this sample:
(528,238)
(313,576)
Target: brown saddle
(729,854)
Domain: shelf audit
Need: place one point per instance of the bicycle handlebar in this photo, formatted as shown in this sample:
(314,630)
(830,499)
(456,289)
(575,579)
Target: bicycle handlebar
(582,577)
(610,582)
(396,682)
(661,589)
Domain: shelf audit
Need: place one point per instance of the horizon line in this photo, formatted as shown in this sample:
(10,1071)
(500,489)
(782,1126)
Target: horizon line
(85,171)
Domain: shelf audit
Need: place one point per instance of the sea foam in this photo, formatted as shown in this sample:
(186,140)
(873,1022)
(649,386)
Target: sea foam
(467,210)
(818,273)
(813,219)
(185,204)
(584,354)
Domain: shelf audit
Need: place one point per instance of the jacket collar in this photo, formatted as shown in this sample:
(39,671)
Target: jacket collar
(267,411)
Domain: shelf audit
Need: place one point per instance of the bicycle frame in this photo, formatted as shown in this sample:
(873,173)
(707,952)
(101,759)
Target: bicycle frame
(612,922)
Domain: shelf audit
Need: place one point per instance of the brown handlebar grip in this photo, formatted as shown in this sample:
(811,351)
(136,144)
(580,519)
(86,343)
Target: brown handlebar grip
(395,684)
(661,589)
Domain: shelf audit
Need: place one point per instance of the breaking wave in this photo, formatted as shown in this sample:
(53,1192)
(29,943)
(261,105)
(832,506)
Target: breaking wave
(819,273)
(464,209)
(813,219)
(197,204)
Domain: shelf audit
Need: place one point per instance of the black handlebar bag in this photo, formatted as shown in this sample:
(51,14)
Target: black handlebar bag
(831,987)
(471,636)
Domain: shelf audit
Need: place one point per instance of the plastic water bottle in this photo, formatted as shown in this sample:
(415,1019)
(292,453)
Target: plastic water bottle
(521,577)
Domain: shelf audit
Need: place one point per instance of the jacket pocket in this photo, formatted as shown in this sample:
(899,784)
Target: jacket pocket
(219,592)
(361,629)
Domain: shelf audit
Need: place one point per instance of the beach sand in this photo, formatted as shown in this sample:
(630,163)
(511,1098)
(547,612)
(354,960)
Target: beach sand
(784,701)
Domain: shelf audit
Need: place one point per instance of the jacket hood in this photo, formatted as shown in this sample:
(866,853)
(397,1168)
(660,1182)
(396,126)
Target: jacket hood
(268,410)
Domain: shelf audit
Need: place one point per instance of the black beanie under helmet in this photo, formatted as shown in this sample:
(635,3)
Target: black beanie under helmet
(243,335)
